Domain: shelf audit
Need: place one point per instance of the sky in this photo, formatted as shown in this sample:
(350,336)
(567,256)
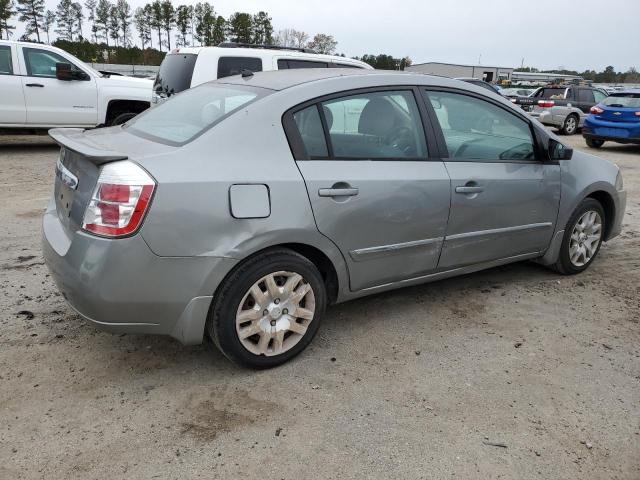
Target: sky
(547,34)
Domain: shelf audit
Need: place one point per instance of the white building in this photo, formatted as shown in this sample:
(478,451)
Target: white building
(483,72)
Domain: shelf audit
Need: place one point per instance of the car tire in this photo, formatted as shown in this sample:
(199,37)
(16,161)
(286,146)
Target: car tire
(579,235)
(570,125)
(258,296)
(122,118)
(594,142)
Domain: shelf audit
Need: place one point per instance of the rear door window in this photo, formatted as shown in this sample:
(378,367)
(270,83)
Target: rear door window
(6,67)
(310,128)
(175,73)
(287,63)
(228,66)
(377,125)
(585,96)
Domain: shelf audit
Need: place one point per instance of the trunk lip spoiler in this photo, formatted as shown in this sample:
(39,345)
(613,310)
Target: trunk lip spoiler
(74,139)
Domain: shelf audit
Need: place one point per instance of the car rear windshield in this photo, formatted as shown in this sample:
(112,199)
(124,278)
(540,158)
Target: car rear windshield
(623,100)
(552,93)
(175,73)
(188,115)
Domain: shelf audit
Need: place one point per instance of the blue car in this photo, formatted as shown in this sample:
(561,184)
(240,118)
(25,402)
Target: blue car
(615,119)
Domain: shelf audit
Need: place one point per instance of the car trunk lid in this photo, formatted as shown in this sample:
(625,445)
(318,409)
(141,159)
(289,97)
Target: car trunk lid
(83,154)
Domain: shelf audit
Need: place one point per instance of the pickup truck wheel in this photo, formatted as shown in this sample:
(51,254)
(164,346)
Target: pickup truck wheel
(122,118)
(594,142)
(570,125)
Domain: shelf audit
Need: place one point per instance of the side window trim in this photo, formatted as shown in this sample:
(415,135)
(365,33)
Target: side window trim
(297,147)
(442,144)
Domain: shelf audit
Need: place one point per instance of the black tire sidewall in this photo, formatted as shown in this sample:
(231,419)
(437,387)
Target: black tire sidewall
(564,259)
(594,142)
(221,322)
(122,118)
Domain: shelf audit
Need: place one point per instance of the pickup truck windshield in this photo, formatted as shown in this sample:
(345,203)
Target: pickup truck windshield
(188,115)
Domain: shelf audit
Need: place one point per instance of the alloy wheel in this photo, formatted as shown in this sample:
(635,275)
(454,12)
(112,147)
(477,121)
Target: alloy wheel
(585,238)
(275,313)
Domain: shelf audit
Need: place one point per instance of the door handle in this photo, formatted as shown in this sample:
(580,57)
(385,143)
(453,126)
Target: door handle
(337,192)
(469,189)
(35,85)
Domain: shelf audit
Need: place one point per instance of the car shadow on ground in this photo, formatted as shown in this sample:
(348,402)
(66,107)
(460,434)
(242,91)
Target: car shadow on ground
(147,353)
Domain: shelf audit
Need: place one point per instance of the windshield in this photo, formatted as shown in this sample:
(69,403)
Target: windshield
(189,114)
(623,100)
(175,73)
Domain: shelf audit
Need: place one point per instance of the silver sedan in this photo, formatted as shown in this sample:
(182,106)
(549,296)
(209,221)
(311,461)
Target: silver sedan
(242,208)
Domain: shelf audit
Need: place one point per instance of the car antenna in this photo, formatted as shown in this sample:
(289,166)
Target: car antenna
(246,73)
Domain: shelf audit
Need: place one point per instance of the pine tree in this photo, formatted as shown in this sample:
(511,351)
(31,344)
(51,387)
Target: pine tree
(142,19)
(183,24)
(114,25)
(90,5)
(103,11)
(47,24)
(240,27)
(219,33)
(156,20)
(32,13)
(262,29)
(79,15)
(168,20)
(66,20)
(6,12)
(123,13)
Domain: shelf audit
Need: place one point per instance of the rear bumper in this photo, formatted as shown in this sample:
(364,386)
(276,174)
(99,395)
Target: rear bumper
(122,287)
(620,132)
(608,138)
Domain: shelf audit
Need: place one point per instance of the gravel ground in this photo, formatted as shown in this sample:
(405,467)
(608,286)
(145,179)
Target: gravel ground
(514,372)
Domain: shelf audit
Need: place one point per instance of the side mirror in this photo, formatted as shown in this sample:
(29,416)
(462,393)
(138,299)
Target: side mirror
(63,71)
(558,151)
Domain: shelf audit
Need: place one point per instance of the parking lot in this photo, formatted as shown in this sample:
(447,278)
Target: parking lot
(515,372)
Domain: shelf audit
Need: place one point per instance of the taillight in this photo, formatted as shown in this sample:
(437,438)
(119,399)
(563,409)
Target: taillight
(637,114)
(119,201)
(596,110)
(546,103)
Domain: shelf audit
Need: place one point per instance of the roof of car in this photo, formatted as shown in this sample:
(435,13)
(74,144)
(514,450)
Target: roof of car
(628,90)
(282,79)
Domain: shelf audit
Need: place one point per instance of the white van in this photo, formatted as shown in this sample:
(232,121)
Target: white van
(186,67)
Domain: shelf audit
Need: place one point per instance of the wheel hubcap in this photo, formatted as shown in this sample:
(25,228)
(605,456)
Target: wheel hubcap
(585,238)
(275,313)
(571,124)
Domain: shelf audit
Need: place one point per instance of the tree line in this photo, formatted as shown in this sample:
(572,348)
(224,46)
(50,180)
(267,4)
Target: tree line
(608,75)
(154,26)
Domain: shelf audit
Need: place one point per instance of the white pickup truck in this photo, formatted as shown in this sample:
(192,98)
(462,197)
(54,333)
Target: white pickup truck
(42,87)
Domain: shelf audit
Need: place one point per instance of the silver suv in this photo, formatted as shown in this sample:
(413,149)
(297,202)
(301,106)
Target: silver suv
(243,207)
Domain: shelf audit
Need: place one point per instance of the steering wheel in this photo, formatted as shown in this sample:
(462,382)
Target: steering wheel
(402,137)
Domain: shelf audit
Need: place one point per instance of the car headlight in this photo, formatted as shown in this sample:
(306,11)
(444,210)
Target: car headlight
(619,183)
